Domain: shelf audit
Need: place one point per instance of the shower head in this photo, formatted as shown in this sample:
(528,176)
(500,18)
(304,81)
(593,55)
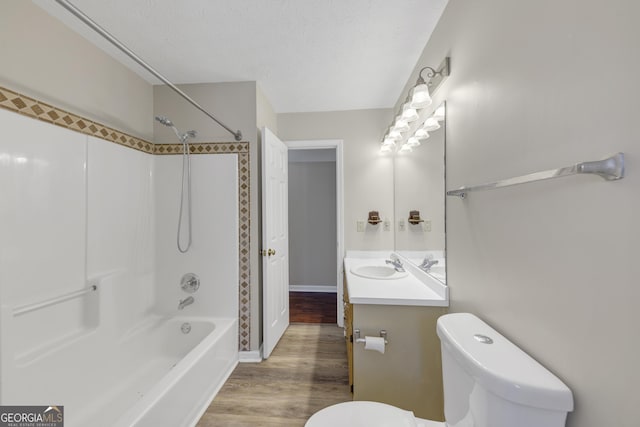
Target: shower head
(165,121)
(181,136)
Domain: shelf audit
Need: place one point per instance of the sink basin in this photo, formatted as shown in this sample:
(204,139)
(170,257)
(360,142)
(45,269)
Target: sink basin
(379,272)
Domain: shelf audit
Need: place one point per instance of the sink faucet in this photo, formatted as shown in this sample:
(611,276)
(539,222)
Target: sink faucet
(396,264)
(427,263)
(185,302)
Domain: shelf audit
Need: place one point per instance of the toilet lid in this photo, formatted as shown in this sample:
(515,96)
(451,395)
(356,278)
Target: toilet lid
(362,414)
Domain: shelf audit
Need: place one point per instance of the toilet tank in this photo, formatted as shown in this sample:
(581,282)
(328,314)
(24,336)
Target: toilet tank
(489,382)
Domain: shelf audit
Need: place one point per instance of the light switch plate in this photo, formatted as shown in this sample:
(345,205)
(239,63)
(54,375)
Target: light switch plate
(427,225)
(360,226)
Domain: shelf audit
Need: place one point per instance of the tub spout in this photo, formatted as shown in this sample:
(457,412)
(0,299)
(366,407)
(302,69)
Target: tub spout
(185,302)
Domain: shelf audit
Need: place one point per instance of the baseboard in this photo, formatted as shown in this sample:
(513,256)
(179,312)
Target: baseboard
(251,356)
(313,288)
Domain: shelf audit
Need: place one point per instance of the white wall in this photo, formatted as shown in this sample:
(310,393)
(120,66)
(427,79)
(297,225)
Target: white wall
(46,60)
(535,86)
(368,175)
(265,114)
(213,254)
(312,223)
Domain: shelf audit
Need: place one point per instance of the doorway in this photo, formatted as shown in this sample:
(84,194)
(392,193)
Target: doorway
(315,231)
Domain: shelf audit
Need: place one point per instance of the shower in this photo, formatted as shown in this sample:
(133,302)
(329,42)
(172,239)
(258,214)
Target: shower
(186,170)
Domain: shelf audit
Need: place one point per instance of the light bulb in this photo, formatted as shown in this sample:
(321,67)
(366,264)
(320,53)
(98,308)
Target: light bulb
(408,113)
(431,124)
(405,149)
(420,96)
(421,134)
(413,142)
(401,125)
(388,141)
(394,134)
(386,148)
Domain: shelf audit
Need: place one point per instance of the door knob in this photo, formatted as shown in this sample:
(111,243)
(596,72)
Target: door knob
(271,252)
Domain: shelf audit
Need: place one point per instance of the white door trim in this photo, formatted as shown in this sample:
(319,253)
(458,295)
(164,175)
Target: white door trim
(323,144)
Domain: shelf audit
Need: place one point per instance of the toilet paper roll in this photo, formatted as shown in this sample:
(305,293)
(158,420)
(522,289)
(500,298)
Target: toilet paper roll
(374,343)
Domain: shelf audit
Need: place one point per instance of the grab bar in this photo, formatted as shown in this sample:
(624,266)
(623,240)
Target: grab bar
(610,169)
(52,301)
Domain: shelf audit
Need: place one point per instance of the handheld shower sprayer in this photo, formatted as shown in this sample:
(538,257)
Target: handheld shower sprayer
(186,169)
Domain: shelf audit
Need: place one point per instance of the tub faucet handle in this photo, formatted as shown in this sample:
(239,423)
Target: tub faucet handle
(190,283)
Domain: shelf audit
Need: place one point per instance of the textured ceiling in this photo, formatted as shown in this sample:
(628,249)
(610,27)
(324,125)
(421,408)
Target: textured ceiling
(306,55)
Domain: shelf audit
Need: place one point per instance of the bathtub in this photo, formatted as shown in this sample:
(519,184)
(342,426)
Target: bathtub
(153,375)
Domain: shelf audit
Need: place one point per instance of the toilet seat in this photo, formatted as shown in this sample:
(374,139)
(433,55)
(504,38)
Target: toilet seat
(366,414)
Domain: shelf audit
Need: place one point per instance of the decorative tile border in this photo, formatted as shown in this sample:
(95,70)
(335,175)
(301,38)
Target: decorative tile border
(33,108)
(244,222)
(203,148)
(22,104)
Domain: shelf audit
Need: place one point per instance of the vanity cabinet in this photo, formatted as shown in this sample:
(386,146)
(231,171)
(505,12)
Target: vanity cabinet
(348,332)
(409,373)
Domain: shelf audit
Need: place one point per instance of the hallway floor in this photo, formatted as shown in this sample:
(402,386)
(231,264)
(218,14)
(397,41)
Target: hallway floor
(306,372)
(313,307)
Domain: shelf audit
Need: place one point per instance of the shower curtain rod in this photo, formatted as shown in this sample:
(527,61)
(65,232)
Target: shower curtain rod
(98,29)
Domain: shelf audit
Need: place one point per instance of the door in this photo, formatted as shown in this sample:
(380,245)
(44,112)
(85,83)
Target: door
(275,240)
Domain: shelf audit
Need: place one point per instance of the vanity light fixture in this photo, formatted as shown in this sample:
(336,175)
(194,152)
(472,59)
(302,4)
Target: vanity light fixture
(413,142)
(394,134)
(421,134)
(439,113)
(409,113)
(387,148)
(401,125)
(389,142)
(406,148)
(431,124)
(410,125)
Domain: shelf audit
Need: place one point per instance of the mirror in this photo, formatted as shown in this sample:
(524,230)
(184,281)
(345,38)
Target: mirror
(419,206)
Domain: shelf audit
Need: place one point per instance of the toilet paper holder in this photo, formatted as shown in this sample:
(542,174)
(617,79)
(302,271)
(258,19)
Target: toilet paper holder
(383,334)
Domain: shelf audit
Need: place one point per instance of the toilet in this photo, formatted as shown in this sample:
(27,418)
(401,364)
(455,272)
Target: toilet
(488,382)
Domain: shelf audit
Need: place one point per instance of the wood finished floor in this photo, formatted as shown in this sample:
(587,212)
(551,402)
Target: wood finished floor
(313,307)
(306,372)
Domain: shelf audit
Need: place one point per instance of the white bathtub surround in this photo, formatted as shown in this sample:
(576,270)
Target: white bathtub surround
(213,254)
(78,212)
(43,217)
(120,228)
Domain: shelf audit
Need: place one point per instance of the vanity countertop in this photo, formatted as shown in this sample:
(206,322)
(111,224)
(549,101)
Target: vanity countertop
(415,289)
